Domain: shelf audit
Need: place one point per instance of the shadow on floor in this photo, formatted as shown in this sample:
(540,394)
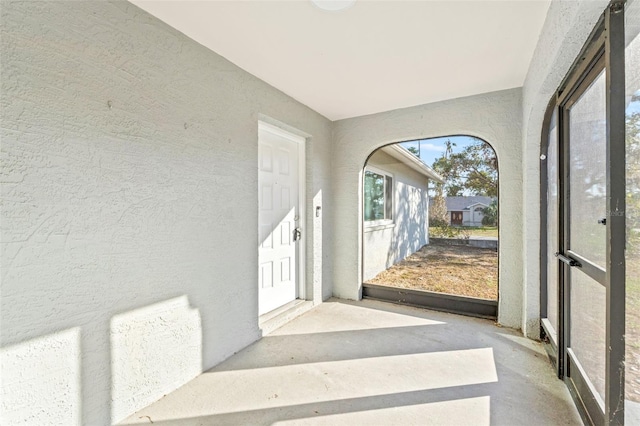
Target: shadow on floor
(375,363)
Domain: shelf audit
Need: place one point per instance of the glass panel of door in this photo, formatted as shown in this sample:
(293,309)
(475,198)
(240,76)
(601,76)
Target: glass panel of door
(586,232)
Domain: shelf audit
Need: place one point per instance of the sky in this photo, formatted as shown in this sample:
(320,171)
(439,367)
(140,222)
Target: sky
(433,148)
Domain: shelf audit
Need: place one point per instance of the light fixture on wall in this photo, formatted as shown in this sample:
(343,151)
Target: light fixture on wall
(333,5)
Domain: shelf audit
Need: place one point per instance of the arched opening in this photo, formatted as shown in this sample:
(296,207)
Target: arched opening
(430,224)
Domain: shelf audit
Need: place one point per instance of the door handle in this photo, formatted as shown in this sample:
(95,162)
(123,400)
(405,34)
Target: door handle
(297,234)
(568,260)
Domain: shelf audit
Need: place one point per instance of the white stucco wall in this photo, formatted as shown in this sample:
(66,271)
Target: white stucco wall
(130,209)
(386,245)
(494,117)
(565,31)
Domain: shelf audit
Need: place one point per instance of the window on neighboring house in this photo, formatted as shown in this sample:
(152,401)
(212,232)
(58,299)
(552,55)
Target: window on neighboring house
(378,196)
(479,209)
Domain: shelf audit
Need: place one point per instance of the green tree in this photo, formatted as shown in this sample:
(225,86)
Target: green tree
(490,214)
(414,151)
(474,170)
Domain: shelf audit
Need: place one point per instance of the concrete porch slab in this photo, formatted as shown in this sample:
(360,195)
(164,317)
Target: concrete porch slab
(351,363)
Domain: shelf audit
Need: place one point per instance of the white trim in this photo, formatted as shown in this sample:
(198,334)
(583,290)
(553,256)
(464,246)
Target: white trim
(280,132)
(302,201)
(475,204)
(377,223)
(398,152)
(378,170)
(381,227)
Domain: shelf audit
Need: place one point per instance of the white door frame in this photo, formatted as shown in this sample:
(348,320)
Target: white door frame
(301,259)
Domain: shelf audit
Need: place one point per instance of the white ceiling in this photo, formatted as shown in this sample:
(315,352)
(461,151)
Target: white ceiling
(375,56)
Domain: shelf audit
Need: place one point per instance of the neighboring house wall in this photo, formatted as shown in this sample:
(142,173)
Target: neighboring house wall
(387,244)
(473,216)
(130,209)
(495,117)
(467,206)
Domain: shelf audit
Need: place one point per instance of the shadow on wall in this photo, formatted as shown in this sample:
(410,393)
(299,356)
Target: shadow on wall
(408,234)
(46,380)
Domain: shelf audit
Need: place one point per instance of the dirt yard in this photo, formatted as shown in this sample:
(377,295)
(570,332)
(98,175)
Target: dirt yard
(459,270)
(633,329)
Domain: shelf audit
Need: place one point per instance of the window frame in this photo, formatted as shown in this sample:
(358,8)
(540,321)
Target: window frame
(387,175)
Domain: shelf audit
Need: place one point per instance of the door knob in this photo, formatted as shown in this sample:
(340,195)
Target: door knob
(297,234)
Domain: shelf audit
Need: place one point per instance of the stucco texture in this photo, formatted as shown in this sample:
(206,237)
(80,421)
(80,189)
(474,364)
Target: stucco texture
(564,33)
(494,117)
(130,209)
(129,244)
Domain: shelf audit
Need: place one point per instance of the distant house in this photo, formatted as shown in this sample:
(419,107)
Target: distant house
(395,207)
(466,210)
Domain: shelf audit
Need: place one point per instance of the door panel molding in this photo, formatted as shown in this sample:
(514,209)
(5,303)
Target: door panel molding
(287,158)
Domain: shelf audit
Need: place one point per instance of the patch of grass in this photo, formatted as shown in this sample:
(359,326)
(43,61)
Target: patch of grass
(460,270)
(482,231)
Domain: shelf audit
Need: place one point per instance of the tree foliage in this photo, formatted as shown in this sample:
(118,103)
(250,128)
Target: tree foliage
(633,180)
(473,171)
(490,214)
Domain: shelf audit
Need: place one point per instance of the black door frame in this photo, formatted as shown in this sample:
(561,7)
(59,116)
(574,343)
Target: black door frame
(603,50)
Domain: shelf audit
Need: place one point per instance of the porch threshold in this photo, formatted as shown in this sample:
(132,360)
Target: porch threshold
(278,317)
(471,306)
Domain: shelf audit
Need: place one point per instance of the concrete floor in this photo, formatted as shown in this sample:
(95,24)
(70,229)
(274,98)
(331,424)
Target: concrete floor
(373,363)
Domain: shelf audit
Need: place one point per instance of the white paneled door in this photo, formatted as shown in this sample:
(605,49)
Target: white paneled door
(279,218)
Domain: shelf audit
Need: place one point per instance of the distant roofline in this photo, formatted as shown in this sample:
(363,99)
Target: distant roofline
(462,203)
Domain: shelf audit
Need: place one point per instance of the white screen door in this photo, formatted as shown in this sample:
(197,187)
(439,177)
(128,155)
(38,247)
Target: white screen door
(279,217)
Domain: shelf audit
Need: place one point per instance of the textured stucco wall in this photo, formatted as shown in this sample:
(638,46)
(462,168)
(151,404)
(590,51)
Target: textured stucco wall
(129,209)
(494,117)
(129,200)
(565,31)
(387,246)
